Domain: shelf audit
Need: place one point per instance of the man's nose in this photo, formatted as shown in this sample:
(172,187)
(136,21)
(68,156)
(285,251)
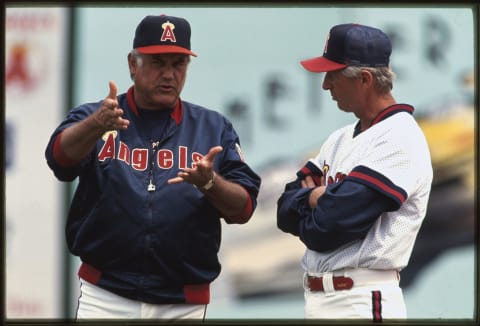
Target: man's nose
(167,71)
(326,83)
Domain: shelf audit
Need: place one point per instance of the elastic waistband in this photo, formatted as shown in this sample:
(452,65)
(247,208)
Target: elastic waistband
(193,293)
(89,273)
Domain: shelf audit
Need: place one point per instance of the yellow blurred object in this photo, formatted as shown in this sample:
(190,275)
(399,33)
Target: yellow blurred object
(451,138)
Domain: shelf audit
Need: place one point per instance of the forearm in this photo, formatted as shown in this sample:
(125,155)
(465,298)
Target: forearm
(78,140)
(230,199)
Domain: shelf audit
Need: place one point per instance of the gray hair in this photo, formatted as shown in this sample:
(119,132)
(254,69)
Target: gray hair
(383,76)
(138,57)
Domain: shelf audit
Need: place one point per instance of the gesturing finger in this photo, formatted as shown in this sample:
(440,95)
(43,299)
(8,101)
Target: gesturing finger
(212,153)
(110,102)
(113,90)
(175,180)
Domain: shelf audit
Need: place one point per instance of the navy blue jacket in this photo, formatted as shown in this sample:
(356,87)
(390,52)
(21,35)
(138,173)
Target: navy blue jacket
(154,246)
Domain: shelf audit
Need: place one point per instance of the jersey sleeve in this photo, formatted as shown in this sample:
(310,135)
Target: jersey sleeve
(380,183)
(393,164)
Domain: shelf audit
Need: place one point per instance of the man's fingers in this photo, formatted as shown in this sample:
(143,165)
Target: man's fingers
(213,152)
(122,123)
(309,182)
(304,184)
(113,90)
(195,175)
(175,180)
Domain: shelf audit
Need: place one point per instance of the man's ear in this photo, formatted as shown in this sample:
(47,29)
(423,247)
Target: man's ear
(366,76)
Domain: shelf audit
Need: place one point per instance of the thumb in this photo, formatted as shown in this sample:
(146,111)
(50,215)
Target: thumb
(113,90)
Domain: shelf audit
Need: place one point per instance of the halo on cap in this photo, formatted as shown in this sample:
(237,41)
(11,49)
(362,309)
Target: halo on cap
(163,34)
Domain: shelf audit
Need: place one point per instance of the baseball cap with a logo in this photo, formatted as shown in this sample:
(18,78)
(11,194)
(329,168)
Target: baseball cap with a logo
(352,45)
(163,34)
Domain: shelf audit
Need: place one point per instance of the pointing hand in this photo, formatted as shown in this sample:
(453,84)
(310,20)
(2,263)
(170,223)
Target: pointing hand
(109,115)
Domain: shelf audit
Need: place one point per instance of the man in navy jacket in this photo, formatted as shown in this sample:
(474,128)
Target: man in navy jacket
(156,175)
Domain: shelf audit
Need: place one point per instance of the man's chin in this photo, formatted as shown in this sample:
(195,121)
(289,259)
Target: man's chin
(166,102)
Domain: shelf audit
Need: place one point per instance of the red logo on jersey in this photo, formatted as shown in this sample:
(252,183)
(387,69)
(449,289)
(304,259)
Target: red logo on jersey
(138,158)
(339,176)
(168,34)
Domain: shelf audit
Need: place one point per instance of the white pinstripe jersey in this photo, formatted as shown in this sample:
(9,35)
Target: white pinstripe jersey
(394,147)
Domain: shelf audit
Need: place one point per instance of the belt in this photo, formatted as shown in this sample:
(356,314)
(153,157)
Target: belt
(326,282)
(315,283)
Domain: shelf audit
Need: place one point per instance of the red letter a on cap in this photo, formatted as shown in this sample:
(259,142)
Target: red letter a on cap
(168,32)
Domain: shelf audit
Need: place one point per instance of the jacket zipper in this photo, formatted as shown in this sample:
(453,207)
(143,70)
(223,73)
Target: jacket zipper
(151,187)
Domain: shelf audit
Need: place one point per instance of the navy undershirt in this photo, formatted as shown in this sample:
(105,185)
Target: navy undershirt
(156,121)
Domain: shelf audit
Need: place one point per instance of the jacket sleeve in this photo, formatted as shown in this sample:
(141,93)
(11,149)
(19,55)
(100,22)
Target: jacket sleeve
(63,168)
(234,168)
(344,213)
(292,207)
(293,203)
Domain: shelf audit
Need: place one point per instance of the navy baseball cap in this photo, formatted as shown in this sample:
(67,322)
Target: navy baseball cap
(352,45)
(163,34)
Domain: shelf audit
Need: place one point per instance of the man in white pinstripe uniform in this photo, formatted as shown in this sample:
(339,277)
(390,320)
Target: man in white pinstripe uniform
(359,204)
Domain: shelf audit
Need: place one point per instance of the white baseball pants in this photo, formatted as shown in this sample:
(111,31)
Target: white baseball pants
(375,295)
(97,303)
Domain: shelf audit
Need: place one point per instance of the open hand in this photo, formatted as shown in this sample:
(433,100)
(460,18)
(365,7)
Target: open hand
(201,172)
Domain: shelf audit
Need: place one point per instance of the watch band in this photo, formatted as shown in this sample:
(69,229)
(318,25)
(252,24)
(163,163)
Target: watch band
(210,183)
